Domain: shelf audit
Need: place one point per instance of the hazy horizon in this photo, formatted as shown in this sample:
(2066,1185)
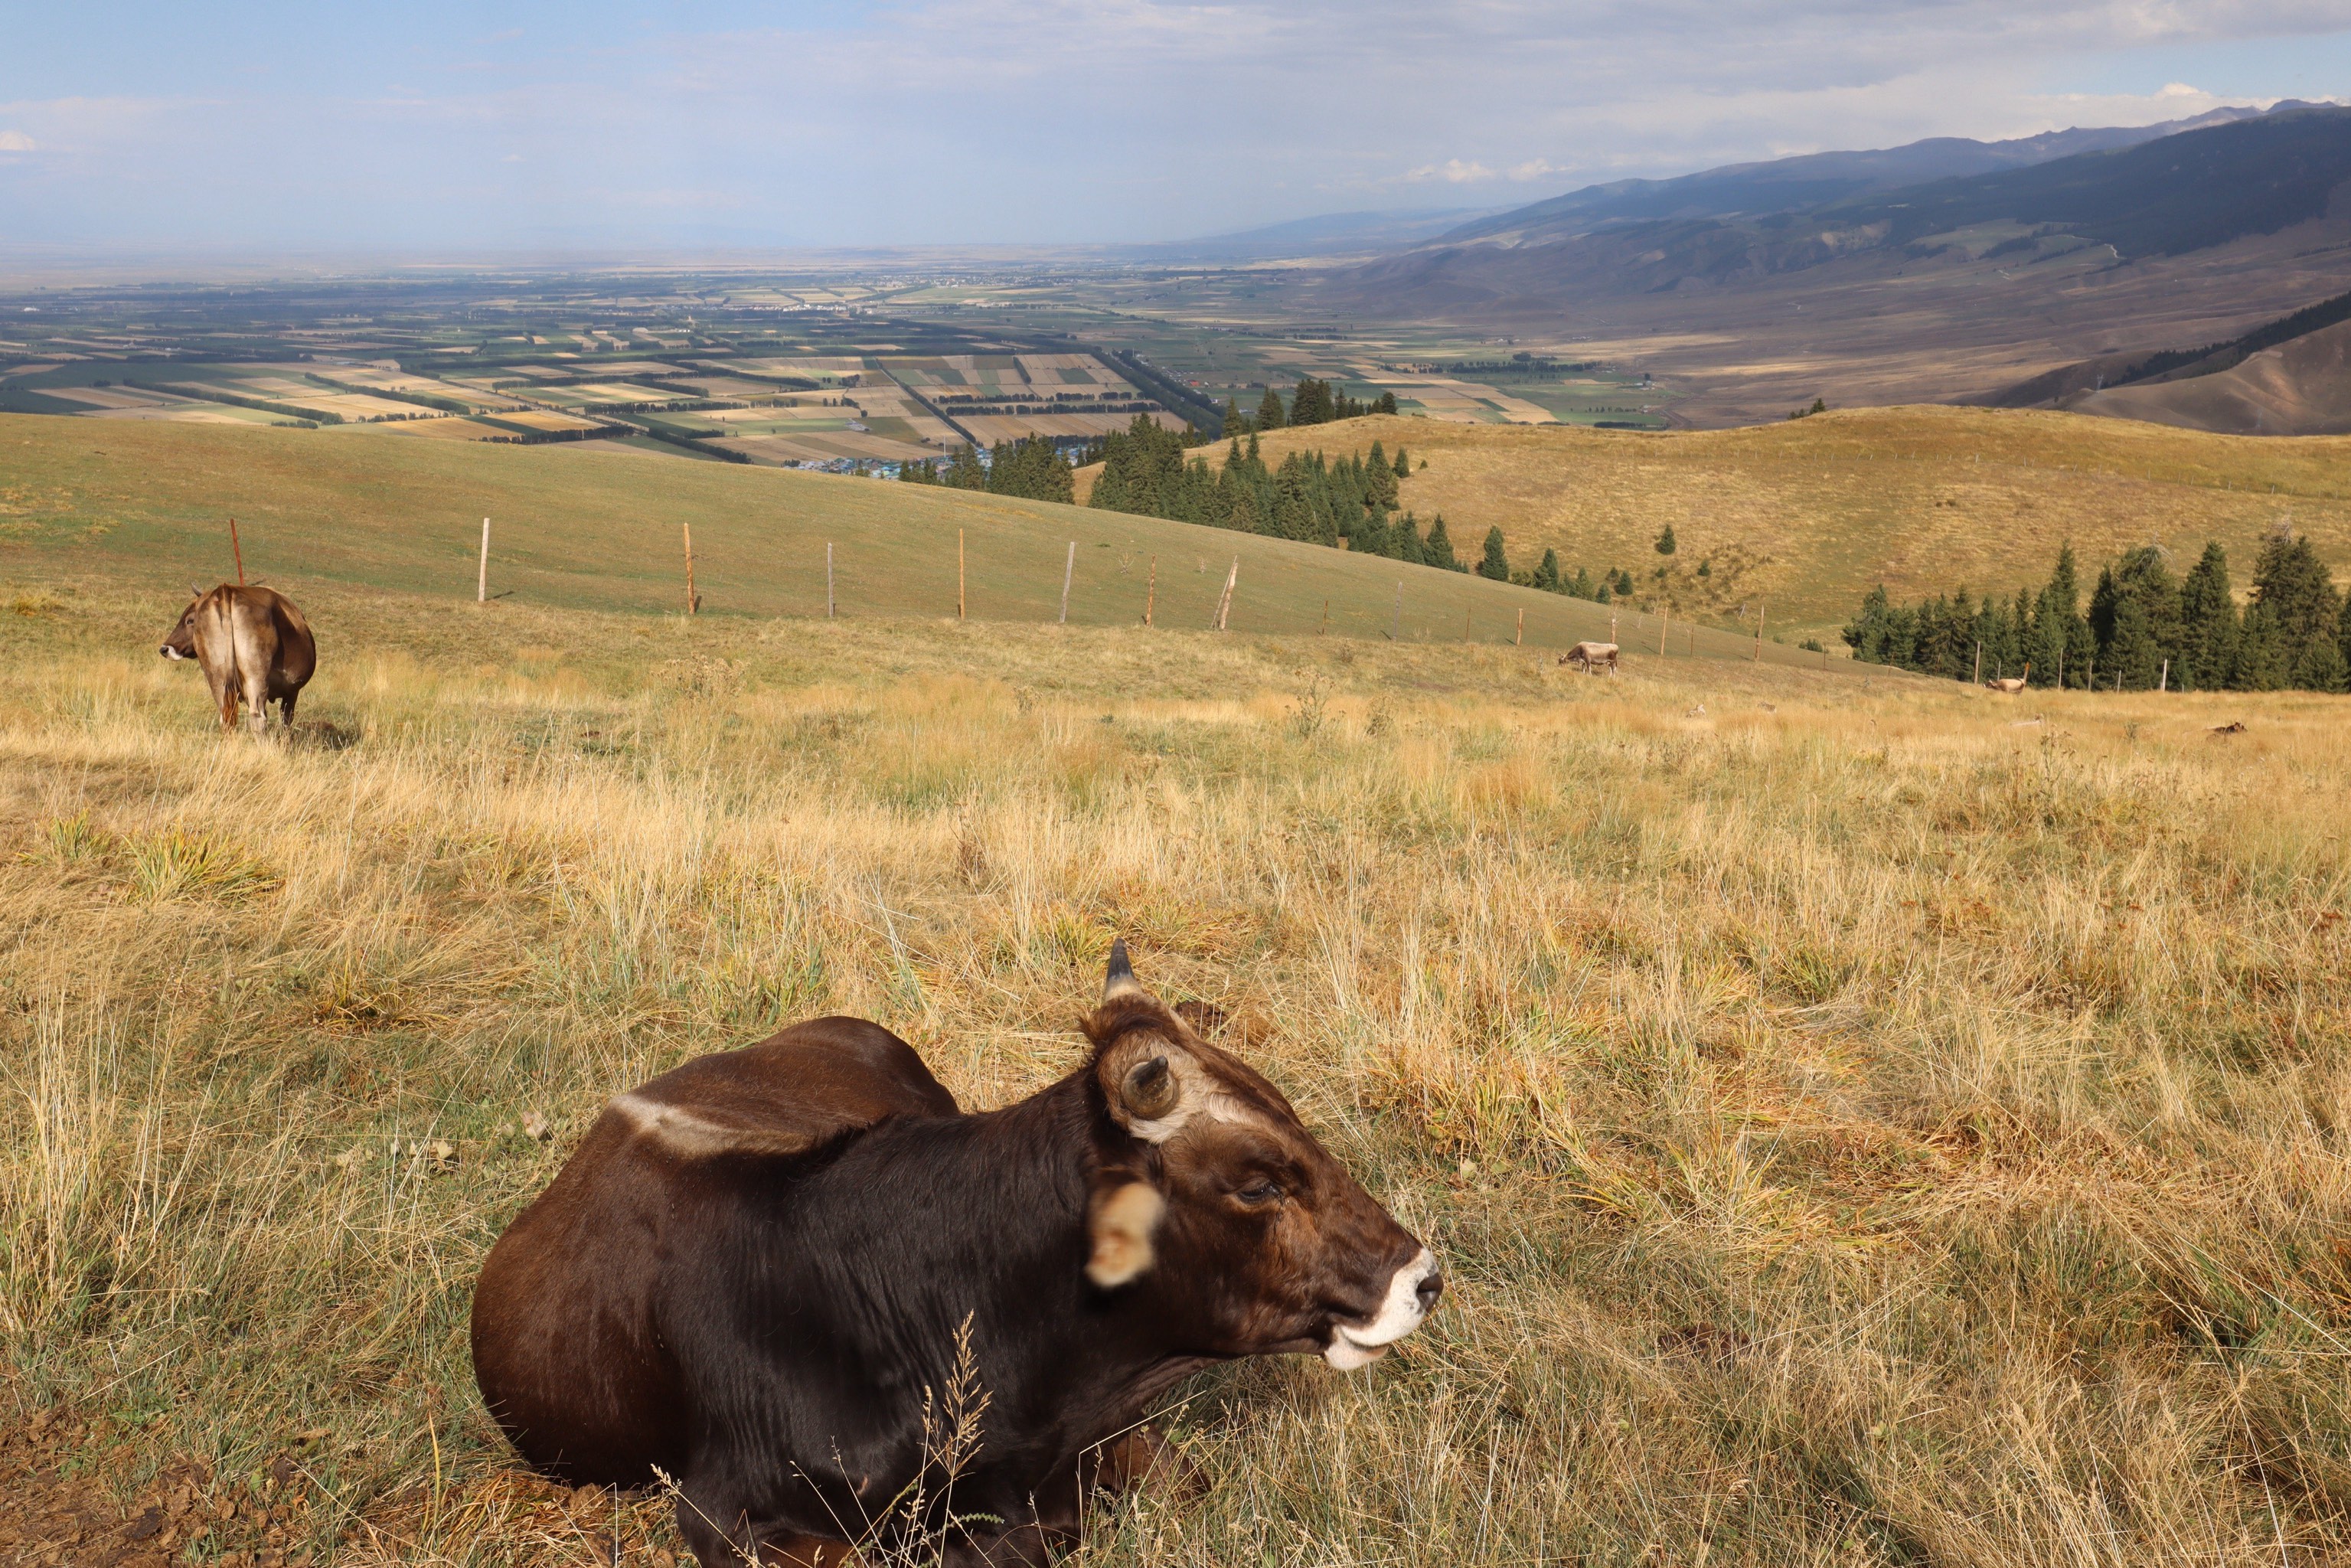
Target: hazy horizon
(533,131)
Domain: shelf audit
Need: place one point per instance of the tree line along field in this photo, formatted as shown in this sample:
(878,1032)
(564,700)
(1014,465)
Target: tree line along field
(1805,516)
(1859,1126)
(581,527)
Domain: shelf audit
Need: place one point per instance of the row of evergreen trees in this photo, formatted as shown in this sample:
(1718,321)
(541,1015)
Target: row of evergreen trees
(1032,467)
(1313,402)
(2143,627)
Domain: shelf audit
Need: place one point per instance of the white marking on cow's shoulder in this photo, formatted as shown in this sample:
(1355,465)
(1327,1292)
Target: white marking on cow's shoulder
(687,1132)
(1400,1313)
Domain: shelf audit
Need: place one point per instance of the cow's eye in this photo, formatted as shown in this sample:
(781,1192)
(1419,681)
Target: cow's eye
(1259,1193)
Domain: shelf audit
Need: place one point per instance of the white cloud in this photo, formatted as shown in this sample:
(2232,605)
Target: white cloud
(17,141)
(1453,171)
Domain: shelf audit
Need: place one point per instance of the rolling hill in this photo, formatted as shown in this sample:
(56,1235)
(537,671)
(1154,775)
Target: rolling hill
(1748,297)
(145,505)
(1804,515)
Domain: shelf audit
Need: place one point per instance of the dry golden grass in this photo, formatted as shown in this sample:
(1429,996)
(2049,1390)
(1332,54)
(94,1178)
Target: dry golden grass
(1806,516)
(1861,1125)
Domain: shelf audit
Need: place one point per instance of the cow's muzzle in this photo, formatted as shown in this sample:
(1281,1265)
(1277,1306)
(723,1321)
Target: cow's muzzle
(171,653)
(1412,1291)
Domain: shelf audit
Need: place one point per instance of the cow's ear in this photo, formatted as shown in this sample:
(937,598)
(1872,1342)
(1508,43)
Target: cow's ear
(1124,1219)
(1148,1090)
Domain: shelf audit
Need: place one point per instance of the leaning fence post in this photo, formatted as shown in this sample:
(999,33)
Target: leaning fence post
(1225,600)
(237,550)
(1665,624)
(2163,681)
(481,577)
(1068,568)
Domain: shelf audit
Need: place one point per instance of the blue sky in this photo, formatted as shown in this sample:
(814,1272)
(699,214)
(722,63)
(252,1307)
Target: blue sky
(449,130)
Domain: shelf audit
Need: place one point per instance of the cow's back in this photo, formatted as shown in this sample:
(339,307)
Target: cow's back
(566,1325)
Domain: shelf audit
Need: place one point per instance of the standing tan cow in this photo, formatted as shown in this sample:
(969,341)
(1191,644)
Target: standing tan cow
(2011,684)
(1590,656)
(254,647)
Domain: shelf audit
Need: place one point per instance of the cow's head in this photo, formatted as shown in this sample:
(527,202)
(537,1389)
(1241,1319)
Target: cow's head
(1215,1199)
(182,643)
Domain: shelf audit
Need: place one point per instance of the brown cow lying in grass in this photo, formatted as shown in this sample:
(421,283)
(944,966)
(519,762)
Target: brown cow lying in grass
(769,1273)
(2011,684)
(254,647)
(1590,656)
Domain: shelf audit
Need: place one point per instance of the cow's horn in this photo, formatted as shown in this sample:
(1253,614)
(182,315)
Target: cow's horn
(195,590)
(1120,978)
(1151,1089)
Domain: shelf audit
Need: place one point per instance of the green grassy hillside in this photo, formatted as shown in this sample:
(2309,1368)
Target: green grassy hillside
(1804,515)
(146,506)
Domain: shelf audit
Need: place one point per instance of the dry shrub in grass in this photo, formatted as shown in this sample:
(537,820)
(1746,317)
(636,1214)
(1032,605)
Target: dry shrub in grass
(1858,1133)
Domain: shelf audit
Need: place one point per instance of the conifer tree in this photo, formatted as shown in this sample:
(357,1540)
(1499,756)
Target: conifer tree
(1581,588)
(1436,549)
(1547,573)
(1495,566)
(1269,413)
(1234,422)
(2292,629)
(1666,545)
(1408,544)
(1403,464)
(1384,403)
(965,472)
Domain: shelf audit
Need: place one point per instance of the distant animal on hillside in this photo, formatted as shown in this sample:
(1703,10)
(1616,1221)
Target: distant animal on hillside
(2011,684)
(1590,656)
(254,648)
(765,1272)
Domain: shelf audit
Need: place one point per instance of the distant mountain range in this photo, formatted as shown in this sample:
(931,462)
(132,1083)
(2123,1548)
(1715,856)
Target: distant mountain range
(1811,180)
(1940,270)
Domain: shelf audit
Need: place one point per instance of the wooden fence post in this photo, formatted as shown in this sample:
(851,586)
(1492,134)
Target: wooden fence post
(1325,628)
(1758,635)
(237,550)
(1397,634)
(958,574)
(1978,676)
(1151,595)
(1068,568)
(1225,600)
(2163,681)
(692,599)
(1517,639)
(828,580)
(1464,622)
(1665,621)
(481,577)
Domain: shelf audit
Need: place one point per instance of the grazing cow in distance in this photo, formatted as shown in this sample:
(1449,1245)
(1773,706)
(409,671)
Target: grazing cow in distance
(254,645)
(2011,684)
(760,1273)
(1590,656)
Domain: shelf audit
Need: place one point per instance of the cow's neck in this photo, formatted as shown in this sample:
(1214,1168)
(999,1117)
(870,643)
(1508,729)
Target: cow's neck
(1026,1173)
